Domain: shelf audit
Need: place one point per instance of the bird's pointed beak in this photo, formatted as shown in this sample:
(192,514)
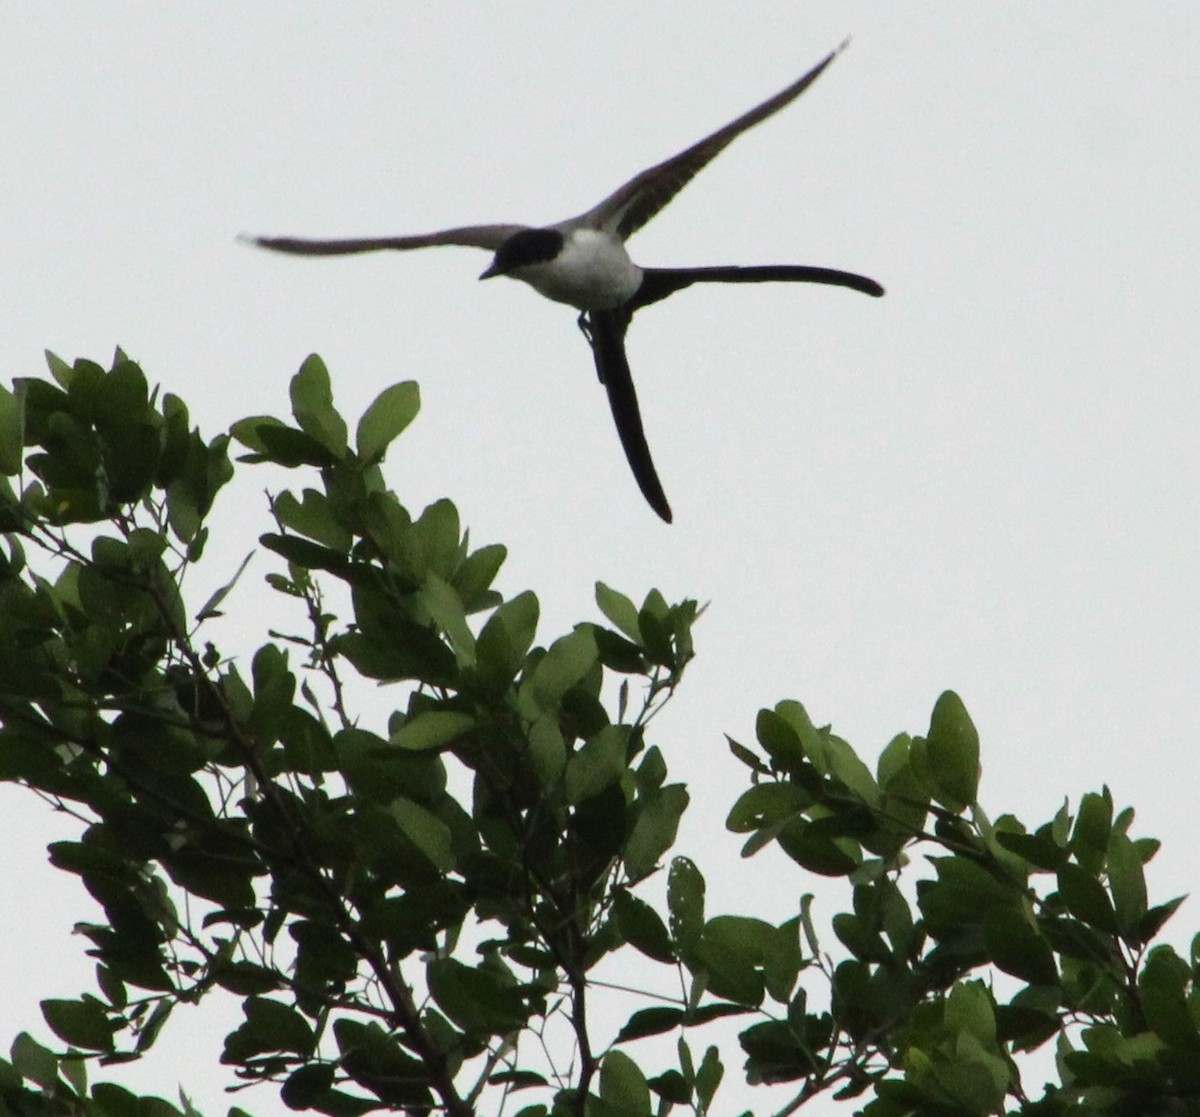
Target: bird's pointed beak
(490,271)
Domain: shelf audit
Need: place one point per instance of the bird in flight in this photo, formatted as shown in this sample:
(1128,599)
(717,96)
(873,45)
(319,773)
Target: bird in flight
(582,261)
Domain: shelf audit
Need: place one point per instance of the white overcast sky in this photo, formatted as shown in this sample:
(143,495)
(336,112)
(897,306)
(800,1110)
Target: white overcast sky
(986,481)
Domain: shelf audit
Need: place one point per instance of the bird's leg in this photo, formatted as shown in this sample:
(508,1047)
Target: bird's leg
(585,327)
(584,322)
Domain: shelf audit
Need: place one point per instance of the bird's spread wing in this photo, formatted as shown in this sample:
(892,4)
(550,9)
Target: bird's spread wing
(469,236)
(629,208)
(606,332)
(658,283)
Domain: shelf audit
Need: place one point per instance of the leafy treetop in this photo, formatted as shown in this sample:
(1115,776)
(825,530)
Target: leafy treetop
(419,916)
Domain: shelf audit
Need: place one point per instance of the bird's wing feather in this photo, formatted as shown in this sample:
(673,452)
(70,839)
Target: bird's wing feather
(628,208)
(607,335)
(469,236)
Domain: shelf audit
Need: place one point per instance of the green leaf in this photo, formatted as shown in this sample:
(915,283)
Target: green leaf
(473,579)
(248,431)
(314,517)
(123,396)
(1086,898)
(505,640)
(652,771)
(564,664)
(548,751)
(1164,987)
(325,961)
(1156,917)
(434,542)
(33,1061)
(433,729)
(765,805)
(269,1026)
(815,849)
(149,1030)
(596,766)
(685,903)
(971,1010)
(672,1087)
(742,955)
(426,831)
(708,1078)
(74,1070)
(12,432)
(623,1085)
(306,554)
(444,606)
(1038,849)
(618,654)
(747,757)
(642,927)
(59,369)
(392,410)
(846,765)
(620,610)
(650,1022)
(517,1079)
(373,1059)
(247,979)
(80,1023)
(774,1053)
(477,999)
(1015,946)
(305,1085)
(1127,881)
(1093,825)
(654,828)
(289,447)
(953,746)
(962,895)
(312,405)
(780,740)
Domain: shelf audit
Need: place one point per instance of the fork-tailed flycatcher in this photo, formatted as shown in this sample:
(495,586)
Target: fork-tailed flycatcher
(583,262)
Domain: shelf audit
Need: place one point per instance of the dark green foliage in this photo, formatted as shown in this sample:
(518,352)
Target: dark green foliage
(407,907)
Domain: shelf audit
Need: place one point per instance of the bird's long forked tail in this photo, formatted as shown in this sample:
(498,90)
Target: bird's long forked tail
(658,283)
(605,331)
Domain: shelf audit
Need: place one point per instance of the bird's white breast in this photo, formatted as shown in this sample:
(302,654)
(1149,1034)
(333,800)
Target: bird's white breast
(592,272)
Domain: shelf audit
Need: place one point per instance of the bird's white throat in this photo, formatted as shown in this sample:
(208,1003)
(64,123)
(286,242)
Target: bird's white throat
(591,272)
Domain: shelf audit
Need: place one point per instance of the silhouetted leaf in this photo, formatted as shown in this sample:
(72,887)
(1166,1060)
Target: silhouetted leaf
(306,1084)
(650,1022)
(642,927)
(80,1023)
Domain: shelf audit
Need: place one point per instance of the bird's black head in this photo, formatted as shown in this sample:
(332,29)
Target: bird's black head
(529,246)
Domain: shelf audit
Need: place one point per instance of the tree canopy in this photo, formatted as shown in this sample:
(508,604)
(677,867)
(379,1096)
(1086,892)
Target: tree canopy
(415,915)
